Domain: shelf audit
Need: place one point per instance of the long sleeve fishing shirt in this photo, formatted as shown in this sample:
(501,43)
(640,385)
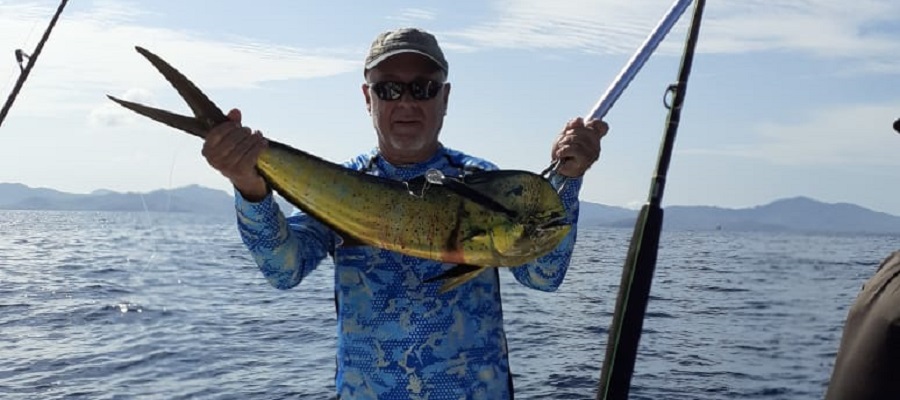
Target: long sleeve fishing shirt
(399,338)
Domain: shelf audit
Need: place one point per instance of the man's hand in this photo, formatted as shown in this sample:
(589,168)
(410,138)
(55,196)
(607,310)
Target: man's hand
(578,146)
(232,149)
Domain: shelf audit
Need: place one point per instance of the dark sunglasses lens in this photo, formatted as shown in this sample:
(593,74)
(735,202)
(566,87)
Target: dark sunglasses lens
(419,90)
(388,90)
(424,90)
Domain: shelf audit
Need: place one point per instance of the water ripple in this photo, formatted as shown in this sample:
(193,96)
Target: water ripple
(145,305)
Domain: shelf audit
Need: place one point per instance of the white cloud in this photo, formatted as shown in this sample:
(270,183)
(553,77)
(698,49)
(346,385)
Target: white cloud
(414,15)
(109,114)
(859,135)
(635,204)
(822,28)
(91,54)
(589,25)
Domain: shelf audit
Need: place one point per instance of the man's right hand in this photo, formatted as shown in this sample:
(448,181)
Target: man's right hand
(232,149)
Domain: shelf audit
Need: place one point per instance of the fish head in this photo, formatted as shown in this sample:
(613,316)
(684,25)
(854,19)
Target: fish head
(520,242)
(537,219)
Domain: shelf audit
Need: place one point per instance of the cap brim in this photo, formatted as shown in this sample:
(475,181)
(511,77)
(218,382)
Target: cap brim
(389,54)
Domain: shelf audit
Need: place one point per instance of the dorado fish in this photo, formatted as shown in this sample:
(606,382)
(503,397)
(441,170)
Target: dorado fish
(486,219)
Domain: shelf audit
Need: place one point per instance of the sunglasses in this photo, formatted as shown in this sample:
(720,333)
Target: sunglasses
(423,89)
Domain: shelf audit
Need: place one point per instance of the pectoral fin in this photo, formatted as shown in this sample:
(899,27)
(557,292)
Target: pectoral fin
(456,276)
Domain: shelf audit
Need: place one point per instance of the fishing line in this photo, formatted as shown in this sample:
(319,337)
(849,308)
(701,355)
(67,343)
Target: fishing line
(128,306)
(32,60)
(12,76)
(168,207)
(149,222)
(171,175)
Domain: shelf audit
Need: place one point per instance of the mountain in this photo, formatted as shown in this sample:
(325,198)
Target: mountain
(799,214)
(17,192)
(192,198)
(592,214)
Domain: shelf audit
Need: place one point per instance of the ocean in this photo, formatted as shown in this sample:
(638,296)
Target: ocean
(170,306)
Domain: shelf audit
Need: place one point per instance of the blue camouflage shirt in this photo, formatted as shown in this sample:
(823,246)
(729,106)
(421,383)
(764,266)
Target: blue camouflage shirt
(398,338)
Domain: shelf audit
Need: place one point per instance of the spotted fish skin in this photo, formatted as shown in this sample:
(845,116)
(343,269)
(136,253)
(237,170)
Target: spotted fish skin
(430,221)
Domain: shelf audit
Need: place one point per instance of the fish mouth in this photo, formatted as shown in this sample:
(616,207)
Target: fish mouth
(540,240)
(553,224)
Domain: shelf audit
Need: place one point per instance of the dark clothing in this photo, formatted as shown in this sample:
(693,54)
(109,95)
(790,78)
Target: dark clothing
(868,361)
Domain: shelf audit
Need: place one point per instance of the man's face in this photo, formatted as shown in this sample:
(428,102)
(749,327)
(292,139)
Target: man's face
(407,128)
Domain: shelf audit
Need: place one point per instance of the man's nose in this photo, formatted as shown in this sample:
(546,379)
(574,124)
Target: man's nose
(407,98)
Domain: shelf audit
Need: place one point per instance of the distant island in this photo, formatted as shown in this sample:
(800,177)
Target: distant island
(798,214)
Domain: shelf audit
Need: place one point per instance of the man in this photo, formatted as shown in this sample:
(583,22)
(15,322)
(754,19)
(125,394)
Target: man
(398,337)
(867,366)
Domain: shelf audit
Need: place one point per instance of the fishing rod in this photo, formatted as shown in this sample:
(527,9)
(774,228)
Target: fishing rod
(637,274)
(32,59)
(638,59)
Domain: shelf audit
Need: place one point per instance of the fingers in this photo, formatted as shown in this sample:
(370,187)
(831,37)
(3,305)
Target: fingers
(217,133)
(233,149)
(578,146)
(252,146)
(235,115)
(230,151)
(563,137)
(598,126)
(575,123)
(584,140)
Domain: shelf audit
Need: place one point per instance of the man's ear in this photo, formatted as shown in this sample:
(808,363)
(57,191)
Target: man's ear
(446,97)
(368,96)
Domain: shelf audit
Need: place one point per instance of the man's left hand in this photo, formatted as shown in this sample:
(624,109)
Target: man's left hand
(578,146)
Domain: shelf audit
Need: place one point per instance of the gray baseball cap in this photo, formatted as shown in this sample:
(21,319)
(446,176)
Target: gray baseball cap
(405,40)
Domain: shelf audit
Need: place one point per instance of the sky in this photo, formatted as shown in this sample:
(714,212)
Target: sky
(788,98)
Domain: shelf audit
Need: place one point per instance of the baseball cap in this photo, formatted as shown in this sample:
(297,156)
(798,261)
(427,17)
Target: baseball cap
(405,40)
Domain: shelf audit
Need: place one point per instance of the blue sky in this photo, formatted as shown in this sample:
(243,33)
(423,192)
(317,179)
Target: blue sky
(788,98)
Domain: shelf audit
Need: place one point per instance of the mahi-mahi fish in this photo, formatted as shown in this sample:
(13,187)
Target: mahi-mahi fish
(487,219)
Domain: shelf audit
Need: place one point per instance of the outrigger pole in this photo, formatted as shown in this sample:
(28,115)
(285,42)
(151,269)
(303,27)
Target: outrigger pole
(20,56)
(638,59)
(637,274)
(633,66)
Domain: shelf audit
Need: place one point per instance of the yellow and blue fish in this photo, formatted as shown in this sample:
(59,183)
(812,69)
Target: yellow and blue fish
(487,219)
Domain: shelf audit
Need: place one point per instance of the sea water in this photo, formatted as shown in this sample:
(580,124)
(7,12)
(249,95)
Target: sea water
(170,306)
